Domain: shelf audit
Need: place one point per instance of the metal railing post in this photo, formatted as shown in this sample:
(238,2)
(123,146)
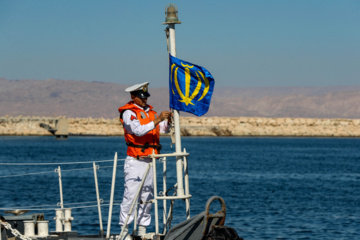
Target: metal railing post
(60,187)
(111,196)
(98,199)
(135,218)
(187,190)
(155,196)
(164,197)
(164,192)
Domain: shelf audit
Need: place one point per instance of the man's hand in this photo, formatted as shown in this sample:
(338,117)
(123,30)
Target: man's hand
(163,115)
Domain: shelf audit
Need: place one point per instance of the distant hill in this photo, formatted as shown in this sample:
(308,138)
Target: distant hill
(101,100)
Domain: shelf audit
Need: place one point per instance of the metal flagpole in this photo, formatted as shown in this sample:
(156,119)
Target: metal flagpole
(179,172)
(171,20)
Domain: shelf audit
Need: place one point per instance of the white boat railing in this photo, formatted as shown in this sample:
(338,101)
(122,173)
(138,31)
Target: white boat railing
(180,195)
(63,216)
(60,208)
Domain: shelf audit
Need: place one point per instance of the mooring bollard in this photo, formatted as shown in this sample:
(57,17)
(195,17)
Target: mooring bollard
(29,228)
(59,220)
(67,220)
(43,228)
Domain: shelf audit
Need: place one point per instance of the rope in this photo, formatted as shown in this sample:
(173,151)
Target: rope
(92,206)
(25,174)
(110,166)
(167,38)
(107,204)
(50,209)
(68,170)
(76,169)
(101,201)
(27,207)
(63,163)
(57,205)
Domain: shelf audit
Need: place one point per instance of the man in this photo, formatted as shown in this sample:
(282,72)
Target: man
(142,128)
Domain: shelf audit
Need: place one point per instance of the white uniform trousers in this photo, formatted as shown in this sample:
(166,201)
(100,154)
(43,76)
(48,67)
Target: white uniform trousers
(134,171)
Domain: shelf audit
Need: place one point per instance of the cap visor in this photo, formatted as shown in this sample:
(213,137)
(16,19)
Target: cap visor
(143,94)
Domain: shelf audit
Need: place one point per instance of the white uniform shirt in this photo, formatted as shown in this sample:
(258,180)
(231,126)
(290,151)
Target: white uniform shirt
(133,126)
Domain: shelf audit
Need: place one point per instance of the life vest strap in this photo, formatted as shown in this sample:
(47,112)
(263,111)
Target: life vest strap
(145,146)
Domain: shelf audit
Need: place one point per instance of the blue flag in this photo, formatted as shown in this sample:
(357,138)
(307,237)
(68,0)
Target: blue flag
(191,87)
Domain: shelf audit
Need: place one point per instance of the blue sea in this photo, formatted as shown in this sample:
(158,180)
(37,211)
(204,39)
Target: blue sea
(274,188)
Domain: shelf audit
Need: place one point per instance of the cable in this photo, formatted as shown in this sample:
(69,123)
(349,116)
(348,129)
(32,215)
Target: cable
(25,174)
(63,163)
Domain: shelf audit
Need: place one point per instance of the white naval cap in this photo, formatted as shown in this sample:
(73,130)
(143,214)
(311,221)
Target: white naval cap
(140,90)
(137,87)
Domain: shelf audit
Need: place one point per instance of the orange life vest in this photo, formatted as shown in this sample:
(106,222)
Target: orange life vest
(144,145)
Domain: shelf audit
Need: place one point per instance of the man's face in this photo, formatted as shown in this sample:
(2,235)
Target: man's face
(139,101)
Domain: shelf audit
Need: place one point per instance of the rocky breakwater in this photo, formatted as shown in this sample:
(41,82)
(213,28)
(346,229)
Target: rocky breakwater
(45,126)
(191,126)
(95,126)
(248,126)
(26,126)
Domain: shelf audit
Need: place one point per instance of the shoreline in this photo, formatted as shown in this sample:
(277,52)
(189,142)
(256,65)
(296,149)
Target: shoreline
(193,136)
(191,126)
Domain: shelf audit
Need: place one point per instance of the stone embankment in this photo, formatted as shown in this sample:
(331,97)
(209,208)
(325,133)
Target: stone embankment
(192,126)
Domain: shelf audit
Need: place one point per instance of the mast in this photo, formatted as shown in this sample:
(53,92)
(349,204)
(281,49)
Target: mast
(171,19)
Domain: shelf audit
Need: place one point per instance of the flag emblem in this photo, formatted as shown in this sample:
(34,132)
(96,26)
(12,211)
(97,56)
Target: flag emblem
(191,87)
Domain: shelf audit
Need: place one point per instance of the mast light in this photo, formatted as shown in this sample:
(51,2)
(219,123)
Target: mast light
(171,14)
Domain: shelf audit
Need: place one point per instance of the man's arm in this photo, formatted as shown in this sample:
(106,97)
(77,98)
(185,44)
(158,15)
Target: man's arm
(133,126)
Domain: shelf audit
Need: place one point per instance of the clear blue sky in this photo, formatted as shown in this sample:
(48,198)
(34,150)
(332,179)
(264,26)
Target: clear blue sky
(242,43)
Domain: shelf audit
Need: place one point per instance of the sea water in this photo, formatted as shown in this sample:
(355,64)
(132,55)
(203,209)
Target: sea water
(274,188)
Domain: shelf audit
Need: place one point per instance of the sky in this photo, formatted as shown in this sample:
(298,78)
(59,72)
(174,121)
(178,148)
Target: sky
(243,43)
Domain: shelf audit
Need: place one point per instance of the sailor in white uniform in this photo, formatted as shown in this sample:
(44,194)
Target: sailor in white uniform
(141,125)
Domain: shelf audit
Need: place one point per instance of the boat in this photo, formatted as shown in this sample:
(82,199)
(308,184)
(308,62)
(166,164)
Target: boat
(28,225)
(22,224)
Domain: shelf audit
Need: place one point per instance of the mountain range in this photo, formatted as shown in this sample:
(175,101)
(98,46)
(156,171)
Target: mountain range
(83,99)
